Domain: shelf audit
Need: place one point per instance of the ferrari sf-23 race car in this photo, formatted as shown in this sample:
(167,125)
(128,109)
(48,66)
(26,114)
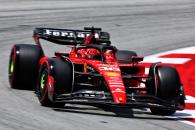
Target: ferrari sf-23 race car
(93,72)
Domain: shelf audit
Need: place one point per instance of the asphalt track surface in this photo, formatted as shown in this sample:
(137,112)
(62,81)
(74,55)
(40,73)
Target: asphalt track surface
(146,26)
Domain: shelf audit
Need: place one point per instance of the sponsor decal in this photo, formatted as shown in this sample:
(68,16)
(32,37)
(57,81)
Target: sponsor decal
(59,33)
(118,90)
(68,34)
(116,83)
(109,67)
(112,74)
(85,68)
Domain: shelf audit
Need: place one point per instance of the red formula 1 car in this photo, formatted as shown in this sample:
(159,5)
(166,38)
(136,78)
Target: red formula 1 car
(93,72)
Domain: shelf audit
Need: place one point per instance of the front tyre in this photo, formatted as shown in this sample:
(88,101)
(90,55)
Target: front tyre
(43,87)
(168,88)
(62,74)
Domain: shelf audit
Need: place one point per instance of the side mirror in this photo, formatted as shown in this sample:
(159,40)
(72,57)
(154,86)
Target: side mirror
(136,59)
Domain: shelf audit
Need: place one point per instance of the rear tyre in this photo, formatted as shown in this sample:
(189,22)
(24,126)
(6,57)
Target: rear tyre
(124,56)
(168,88)
(63,76)
(23,66)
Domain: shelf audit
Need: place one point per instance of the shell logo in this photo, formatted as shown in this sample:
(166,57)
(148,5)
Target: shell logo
(112,74)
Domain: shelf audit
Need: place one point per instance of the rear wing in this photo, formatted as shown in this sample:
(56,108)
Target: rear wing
(69,37)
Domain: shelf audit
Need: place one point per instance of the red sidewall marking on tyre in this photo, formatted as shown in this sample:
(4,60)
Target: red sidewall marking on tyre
(184,60)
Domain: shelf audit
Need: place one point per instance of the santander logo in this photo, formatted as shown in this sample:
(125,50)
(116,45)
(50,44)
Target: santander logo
(184,60)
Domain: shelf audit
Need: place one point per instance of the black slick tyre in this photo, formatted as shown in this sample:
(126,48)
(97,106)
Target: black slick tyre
(23,66)
(62,73)
(168,88)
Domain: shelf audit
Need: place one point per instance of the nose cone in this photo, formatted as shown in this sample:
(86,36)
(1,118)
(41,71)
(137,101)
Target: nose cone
(115,83)
(119,97)
(113,78)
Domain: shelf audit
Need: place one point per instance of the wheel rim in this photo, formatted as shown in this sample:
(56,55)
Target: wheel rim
(43,80)
(12,66)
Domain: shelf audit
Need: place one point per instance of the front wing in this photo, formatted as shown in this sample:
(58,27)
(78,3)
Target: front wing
(101,97)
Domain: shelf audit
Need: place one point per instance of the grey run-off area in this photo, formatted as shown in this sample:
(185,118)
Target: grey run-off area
(146,26)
